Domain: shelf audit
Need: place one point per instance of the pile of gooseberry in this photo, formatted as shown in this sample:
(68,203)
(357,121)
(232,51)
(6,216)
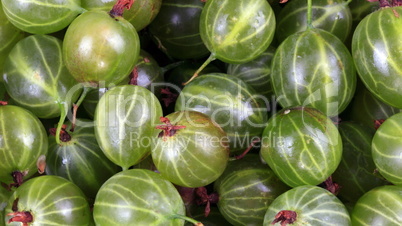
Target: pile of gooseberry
(200,112)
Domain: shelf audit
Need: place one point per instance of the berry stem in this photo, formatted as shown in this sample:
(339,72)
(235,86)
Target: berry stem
(191,220)
(84,93)
(209,60)
(309,14)
(119,7)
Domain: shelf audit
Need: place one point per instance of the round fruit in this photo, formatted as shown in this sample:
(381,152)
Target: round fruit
(237,31)
(41,17)
(245,192)
(138,196)
(380,206)
(176,29)
(256,73)
(228,101)
(4,196)
(79,159)
(333,16)
(23,140)
(125,121)
(376,51)
(48,200)
(141,13)
(387,151)
(9,36)
(314,68)
(307,205)
(302,146)
(370,111)
(100,48)
(355,173)
(36,78)
(192,150)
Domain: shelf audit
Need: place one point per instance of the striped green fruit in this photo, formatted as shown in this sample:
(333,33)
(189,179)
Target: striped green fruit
(302,146)
(138,197)
(376,46)
(313,206)
(333,16)
(237,31)
(4,196)
(149,75)
(23,140)
(228,101)
(9,36)
(386,149)
(314,68)
(100,49)
(140,15)
(125,121)
(50,200)
(176,29)
(246,192)
(355,173)
(80,160)
(256,73)
(379,206)
(36,78)
(193,156)
(368,110)
(41,17)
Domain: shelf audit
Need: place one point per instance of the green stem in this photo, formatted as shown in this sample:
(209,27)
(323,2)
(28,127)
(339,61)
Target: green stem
(191,220)
(347,2)
(209,60)
(84,93)
(309,14)
(63,115)
(171,66)
(125,168)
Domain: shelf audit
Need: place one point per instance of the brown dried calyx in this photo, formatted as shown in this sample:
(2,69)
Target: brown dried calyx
(119,7)
(168,129)
(378,123)
(64,136)
(18,178)
(204,199)
(331,186)
(169,96)
(285,217)
(3,103)
(25,217)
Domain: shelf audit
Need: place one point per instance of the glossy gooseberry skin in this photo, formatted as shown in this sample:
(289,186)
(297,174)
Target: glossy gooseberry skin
(313,206)
(333,16)
(367,109)
(51,199)
(23,141)
(376,52)
(9,36)
(36,78)
(237,31)
(140,15)
(314,68)
(302,146)
(256,73)
(193,156)
(379,206)
(230,102)
(100,48)
(246,189)
(125,120)
(42,17)
(4,196)
(80,160)
(176,29)
(138,196)
(355,174)
(387,149)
